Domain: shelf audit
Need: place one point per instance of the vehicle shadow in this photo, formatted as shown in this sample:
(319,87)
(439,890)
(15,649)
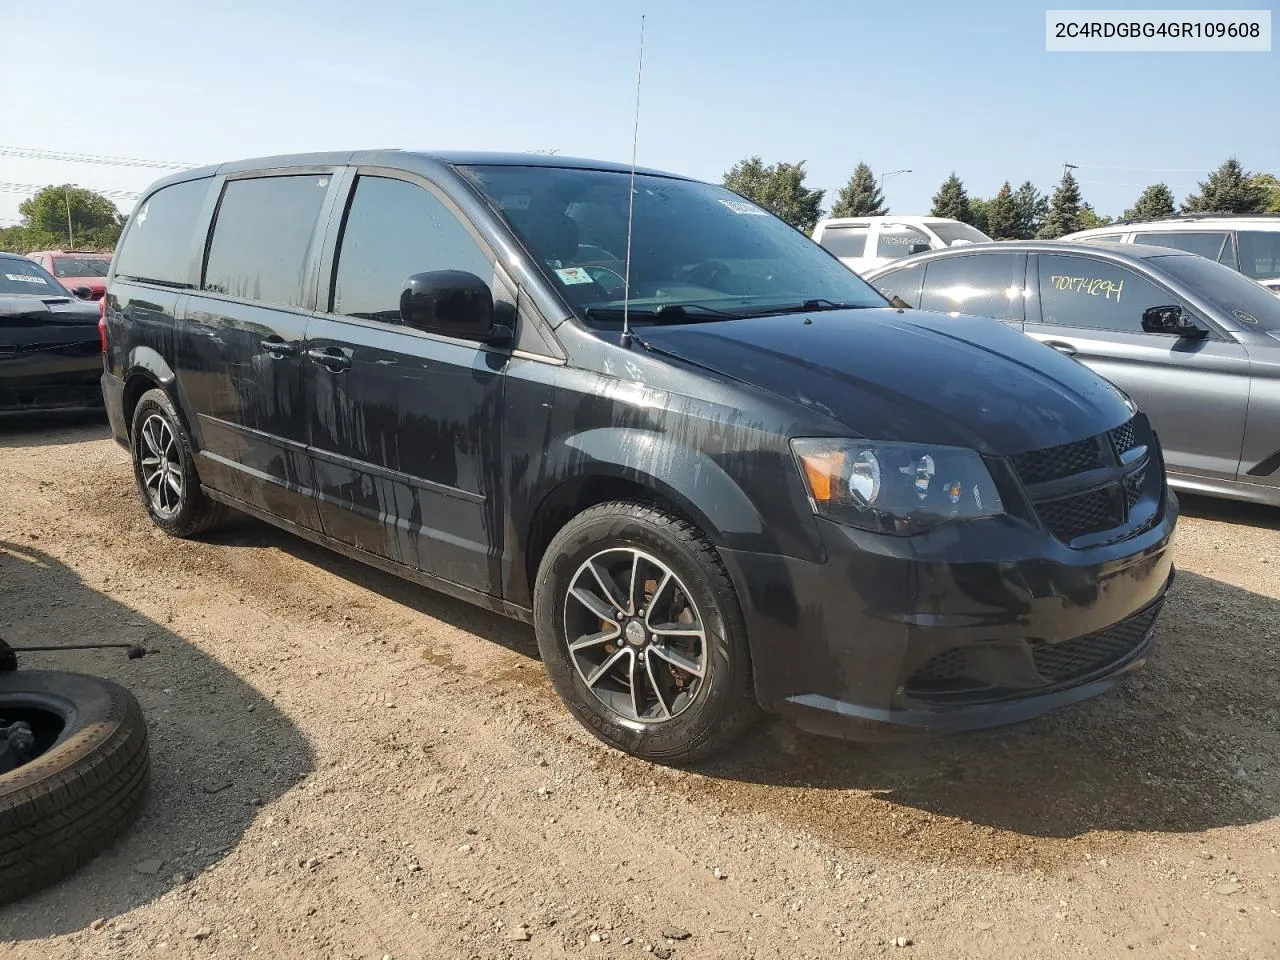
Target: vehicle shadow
(215,759)
(1191,743)
(1230,511)
(49,428)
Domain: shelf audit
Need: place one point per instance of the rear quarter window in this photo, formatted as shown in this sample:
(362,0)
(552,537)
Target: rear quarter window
(157,244)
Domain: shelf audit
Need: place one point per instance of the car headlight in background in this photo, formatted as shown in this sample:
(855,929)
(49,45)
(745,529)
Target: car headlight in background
(896,488)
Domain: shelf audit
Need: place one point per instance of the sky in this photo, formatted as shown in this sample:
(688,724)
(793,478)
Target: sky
(924,85)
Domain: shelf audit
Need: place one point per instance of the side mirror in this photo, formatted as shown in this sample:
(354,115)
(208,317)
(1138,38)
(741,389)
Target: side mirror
(84,293)
(897,301)
(451,302)
(1171,320)
(918,248)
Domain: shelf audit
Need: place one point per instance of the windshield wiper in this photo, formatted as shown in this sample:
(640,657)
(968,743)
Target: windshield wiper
(815,305)
(667,313)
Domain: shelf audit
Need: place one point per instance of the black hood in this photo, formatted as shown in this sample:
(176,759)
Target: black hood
(29,311)
(919,377)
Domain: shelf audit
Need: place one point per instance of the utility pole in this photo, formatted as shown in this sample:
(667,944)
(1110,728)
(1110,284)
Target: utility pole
(71,240)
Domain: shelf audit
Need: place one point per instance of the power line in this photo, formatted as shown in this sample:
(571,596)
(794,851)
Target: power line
(32,153)
(31,188)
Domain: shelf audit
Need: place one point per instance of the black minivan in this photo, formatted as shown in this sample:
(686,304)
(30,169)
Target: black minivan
(713,468)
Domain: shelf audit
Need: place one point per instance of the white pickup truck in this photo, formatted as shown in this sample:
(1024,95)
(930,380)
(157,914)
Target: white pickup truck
(862,243)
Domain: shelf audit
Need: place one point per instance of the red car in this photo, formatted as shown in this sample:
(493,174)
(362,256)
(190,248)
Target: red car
(78,269)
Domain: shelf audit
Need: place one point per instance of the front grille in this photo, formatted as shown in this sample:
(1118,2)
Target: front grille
(1059,662)
(1123,439)
(1133,485)
(1072,517)
(991,670)
(1061,461)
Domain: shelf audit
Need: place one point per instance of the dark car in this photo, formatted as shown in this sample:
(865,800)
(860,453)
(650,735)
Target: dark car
(1195,343)
(710,465)
(50,343)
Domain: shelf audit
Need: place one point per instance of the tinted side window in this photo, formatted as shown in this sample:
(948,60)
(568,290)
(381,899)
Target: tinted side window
(904,283)
(1259,253)
(1205,244)
(845,241)
(1102,238)
(897,239)
(157,245)
(1080,292)
(261,236)
(982,285)
(393,230)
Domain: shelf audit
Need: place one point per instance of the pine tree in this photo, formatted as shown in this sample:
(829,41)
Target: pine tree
(1002,215)
(1229,189)
(1156,201)
(861,196)
(1064,210)
(1032,208)
(952,201)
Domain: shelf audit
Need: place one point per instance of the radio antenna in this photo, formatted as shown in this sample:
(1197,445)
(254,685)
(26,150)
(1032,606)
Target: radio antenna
(631,200)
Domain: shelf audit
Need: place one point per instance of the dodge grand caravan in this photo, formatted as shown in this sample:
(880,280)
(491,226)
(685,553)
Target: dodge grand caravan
(712,467)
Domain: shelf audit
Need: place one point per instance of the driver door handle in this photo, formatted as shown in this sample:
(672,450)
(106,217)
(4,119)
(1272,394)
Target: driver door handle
(278,348)
(331,358)
(1061,346)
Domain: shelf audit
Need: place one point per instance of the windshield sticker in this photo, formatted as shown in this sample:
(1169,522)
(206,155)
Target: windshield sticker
(742,206)
(1244,317)
(516,202)
(571,275)
(24,278)
(1090,285)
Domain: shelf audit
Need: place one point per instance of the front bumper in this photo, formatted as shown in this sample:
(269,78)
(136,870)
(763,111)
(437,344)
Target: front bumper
(971,625)
(51,379)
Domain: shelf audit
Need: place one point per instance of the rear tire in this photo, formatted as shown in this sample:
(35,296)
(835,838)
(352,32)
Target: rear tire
(164,467)
(68,804)
(659,666)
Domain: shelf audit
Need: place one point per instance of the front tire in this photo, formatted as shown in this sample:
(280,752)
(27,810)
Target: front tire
(165,471)
(642,634)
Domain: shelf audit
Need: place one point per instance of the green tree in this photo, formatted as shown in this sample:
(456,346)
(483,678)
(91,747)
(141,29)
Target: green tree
(952,201)
(1064,210)
(1031,208)
(1002,215)
(95,221)
(1090,218)
(979,210)
(778,188)
(861,196)
(1229,189)
(1270,186)
(1156,201)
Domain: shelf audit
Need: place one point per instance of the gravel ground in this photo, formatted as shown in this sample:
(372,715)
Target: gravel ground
(349,766)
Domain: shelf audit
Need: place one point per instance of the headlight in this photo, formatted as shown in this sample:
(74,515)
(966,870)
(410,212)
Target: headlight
(897,488)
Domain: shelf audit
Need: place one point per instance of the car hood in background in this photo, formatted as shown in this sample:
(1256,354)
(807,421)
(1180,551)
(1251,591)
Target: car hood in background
(922,377)
(29,311)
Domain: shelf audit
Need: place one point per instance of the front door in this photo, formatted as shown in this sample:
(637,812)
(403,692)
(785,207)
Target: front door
(239,345)
(1196,392)
(405,426)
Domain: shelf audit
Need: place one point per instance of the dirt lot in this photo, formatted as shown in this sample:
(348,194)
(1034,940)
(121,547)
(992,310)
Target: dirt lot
(348,766)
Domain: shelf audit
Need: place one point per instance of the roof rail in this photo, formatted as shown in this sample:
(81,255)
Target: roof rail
(1197,216)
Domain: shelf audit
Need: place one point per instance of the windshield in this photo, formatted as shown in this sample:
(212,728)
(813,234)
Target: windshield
(25,276)
(694,246)
(81,266)
(1250,303)
(949,231)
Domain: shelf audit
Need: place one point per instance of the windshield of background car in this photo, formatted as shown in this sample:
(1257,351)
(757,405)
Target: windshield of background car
(949,232)
(1248,302)
(25,276)
(692,244)
(81,266)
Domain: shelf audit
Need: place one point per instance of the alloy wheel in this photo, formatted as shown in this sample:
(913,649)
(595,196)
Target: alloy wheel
(635,636)
(161,463)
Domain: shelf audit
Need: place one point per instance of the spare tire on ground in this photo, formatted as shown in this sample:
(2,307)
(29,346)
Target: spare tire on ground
(86,780)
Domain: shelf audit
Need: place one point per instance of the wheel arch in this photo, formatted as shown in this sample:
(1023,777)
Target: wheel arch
(146,369)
